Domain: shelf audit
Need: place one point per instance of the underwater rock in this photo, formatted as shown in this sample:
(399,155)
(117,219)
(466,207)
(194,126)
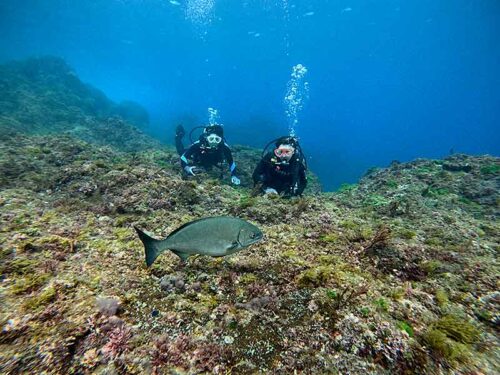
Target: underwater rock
(363,280)
(171,283)
(457,167)
(108,306)
(41,91)
(256,303)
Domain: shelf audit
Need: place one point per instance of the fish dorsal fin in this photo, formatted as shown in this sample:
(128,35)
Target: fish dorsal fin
(186,225)
(183,256)
(193,222)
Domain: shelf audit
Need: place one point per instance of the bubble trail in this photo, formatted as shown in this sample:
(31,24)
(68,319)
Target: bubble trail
(296,95)
(200,12)
(213,116)
(286,37)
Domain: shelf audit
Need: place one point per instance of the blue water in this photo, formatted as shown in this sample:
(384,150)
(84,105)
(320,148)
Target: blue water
(388,79)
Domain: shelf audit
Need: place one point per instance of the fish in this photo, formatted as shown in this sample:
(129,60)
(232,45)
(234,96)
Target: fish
(215,236)
(308,14)
(345,10)
(173,2)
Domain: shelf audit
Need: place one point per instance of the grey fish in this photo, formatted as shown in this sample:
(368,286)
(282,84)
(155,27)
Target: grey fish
(215,236)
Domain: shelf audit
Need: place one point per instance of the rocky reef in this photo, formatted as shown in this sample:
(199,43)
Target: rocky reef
(44,95)
(397,274)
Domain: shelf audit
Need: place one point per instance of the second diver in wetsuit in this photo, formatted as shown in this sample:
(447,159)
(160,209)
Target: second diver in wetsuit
(209,151)
(282,170)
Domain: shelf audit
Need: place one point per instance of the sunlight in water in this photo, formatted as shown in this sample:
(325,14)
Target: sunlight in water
(296,95)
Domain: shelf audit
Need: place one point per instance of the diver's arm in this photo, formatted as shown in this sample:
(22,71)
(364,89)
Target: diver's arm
(232,165)
(228,155)
(259,172)
(187,155)
(179,134)
(302,180)
(294,188)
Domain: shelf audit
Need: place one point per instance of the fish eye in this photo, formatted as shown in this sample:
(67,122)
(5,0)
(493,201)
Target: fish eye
(253,235)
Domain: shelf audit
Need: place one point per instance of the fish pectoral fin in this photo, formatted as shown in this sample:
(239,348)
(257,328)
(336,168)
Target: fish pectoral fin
(183,256)
(233,246)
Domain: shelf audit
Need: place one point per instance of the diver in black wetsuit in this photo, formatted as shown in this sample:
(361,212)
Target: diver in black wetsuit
(283,170)
(209,151)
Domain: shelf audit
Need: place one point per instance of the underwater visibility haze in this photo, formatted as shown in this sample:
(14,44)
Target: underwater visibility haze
(384,262)
(388,80)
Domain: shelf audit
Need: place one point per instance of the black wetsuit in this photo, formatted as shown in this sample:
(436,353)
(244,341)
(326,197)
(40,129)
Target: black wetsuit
(201,155)
(288,179)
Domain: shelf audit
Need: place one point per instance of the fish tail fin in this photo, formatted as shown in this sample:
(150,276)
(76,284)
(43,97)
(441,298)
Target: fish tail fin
(150,246)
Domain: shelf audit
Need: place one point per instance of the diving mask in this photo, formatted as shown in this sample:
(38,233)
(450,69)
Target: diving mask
(284,152)
(213,140)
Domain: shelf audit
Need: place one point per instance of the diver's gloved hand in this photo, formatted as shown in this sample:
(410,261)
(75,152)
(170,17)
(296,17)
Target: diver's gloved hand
(191,171)
(235,180)
(270,191)
(179,131)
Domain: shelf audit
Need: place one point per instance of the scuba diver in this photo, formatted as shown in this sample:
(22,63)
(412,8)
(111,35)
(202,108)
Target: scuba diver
(209,151)
(283,170)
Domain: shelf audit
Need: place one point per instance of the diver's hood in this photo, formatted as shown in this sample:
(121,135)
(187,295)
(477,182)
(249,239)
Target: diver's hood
(287,140)
(214,129)
(209,129)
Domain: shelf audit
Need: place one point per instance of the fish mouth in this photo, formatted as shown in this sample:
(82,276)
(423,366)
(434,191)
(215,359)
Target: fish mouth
(252,242)
(258,238)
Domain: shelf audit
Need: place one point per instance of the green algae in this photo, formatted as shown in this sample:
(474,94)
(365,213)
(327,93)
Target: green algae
(406,234)
(398,293)
(490,169)
(57,243)
(391,184)
(41,300)
(365,311)
(5,253)
(331,237)
(346,188)
(452,337)
(248,278)
(381,304)
(435,192)
(445,347)
(431,267)
(20,266)
(435,241)
(330,293)
(442,297)
(123,234)
(375,200)
(458,328)
(331,260)
(29,283)
(246,202)
(405,326)
(317,276)
(424,170)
